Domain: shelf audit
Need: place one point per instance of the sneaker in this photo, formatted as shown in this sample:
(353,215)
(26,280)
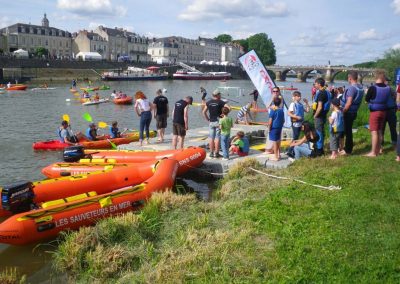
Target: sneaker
(212,155)
(291,159)
(225,159)
(218,155)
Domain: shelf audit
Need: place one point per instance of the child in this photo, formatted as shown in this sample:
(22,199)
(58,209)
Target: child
(114,131)
(275,122)
(244,114)
(336,127)
(225,124)
(240,145)
(296,112)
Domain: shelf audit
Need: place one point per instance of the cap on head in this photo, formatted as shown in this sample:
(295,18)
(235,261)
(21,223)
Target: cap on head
(216,93)
(189,99)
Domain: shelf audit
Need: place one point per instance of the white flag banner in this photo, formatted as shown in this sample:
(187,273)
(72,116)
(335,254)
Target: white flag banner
(261,80)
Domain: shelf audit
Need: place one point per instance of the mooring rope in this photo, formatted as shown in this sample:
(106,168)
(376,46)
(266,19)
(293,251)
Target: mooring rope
(331,187)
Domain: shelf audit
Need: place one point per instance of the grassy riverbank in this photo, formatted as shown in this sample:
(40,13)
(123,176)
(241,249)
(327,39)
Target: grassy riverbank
(256,229)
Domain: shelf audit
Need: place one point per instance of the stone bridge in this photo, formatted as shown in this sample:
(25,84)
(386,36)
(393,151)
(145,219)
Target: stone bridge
(327,72)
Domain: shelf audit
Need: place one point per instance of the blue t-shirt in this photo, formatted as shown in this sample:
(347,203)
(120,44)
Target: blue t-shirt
(278,118)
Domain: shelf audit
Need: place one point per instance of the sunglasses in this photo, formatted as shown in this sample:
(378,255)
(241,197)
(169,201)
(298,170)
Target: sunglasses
(275,91)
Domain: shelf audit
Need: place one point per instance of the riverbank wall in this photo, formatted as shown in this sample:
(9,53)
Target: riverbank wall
(63,70)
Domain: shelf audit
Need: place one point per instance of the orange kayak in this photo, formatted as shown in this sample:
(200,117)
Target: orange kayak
(82,210)
(17,88)
(187,158)
(123,101)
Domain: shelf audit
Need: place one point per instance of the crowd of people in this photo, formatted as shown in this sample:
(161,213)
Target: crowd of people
(337,107)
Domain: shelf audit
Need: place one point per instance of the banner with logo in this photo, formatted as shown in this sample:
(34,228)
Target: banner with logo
(397,76)
(261,80)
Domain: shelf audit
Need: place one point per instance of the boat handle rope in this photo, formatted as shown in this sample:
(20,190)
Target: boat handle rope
(331,187)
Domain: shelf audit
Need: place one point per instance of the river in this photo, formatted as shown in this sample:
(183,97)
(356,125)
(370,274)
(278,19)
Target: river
(28,116)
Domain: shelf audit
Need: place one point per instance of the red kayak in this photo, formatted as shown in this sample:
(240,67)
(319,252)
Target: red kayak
(123,101)
(50,145)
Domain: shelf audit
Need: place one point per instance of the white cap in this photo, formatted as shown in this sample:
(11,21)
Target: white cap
(164,91)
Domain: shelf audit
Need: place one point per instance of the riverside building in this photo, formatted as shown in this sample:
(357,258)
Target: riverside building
(31,37)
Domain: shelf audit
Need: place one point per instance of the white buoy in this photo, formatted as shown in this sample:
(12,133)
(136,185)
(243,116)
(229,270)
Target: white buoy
(67,100)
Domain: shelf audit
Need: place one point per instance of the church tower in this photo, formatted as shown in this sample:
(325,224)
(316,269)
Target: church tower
(45,21)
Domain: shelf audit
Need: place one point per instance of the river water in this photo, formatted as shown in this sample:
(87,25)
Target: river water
(33,115)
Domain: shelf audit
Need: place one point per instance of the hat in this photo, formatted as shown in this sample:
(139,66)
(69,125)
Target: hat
(164,91)
(190,99)
(335,102)
(216,93)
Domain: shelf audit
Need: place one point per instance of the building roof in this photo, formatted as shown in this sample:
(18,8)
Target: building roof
(17,28)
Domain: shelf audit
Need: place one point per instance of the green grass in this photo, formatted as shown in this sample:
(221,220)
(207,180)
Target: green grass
(256,229)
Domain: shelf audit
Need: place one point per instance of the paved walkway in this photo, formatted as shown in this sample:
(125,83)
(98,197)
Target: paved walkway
(217,167)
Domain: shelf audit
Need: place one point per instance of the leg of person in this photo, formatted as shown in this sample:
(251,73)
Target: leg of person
(302,150)
(334,144)
(348,119)
(398,148)
(296,132)
(319,128)
(391,119)
(174,141)
(224,146)
(375,145)
(141,128)
(211,140)
(181,141)
(147,126)
(217,142)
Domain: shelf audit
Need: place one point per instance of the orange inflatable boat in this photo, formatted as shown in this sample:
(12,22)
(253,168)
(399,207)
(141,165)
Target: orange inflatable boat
(84,209)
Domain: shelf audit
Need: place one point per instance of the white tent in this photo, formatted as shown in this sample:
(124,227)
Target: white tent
(20,53)
(85,56)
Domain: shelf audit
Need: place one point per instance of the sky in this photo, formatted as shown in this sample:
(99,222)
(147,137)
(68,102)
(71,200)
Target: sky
(305,32)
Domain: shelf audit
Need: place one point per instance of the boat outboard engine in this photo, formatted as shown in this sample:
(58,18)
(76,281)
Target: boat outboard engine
(73,154)
(17,197)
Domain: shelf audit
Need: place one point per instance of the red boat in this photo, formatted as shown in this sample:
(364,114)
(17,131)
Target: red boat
(123,100)
(98,144)
(17,87)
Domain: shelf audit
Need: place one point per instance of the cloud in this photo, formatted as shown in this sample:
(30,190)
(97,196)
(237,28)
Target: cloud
(92,7)
(396,6)
(369,35)
(4,22)
(202,10)
(343,38)
(396,46)
(308,41)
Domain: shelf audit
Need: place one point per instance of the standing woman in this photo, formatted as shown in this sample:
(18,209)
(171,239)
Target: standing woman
(143,109)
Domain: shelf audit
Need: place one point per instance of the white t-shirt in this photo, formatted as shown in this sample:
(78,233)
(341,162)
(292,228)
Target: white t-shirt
(292,110)
(334,117)
(143,105)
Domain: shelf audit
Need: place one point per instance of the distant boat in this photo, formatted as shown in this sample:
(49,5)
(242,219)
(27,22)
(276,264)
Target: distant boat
(197,75)
(289,88)
(134,74)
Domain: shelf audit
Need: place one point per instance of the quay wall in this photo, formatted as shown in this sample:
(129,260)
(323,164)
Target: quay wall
(60,70)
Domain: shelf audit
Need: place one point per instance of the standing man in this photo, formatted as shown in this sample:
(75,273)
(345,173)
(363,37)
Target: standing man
(377,98)
(214,107)
(203,94)
(180,121)
(161,112)
(321,106)
(350,102)
(391,117)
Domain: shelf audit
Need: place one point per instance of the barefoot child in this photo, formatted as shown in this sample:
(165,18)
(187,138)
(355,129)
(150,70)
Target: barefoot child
(240,145)
(275,122)
(225,124)
(336,127)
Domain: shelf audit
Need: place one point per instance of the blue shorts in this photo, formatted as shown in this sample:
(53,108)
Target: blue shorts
(215,131)
(275,134)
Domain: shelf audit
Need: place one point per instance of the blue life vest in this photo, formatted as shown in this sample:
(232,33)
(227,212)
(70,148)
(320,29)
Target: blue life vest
(59,135)
(299,111)
(113,134)
(88,134)
(391,102)
(357,99)
(326,105)
(246,145)
(381,98)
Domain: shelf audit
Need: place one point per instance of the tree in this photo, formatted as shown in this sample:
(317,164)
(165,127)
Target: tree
(244,43)
(264,47)
(40,51)
(390,62)
(224,38)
